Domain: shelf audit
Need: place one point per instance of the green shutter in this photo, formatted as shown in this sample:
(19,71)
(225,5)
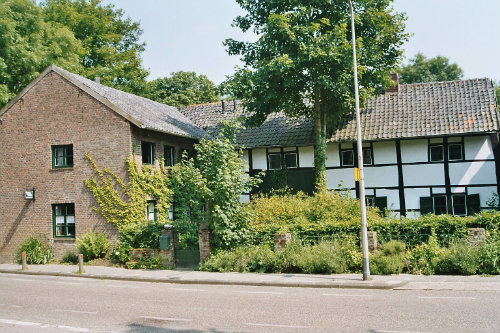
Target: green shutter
(426,205)
(473,204)
(381,204)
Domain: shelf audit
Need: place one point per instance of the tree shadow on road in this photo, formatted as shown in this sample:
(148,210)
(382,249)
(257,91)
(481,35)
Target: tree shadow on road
(140,328)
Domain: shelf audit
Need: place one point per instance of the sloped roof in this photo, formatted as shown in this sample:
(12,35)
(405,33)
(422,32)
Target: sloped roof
(140,111)
(416,110)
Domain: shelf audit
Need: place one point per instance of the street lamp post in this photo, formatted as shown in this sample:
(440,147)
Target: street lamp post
(364,233)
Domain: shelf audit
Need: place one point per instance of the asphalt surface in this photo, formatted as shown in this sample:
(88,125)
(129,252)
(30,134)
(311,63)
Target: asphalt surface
(39,303)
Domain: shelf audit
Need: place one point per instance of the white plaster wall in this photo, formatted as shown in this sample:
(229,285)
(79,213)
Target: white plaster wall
(412,197)
(478,148)
(274,150)
(306,156)
(414,151)
(244,198)
(259,159)
(332,155)
(340,176)
(392,198)
(384,152)
(472,173)
(381,176)
(412,215)
(485,193)
(460,189)
(423,174)
(245,155)
(439,190)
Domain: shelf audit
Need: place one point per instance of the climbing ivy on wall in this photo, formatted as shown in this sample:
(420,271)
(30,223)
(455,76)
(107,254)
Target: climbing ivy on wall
(124,204)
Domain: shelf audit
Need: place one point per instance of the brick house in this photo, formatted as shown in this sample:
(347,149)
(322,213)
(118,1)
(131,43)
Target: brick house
(45,132)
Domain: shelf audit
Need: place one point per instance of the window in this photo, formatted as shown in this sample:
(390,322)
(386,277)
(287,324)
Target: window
(455,151)
(171,212)
(378,202)
(440,205)
(168,155)
(148,152)
(274,161)
(367,156)
(62,156)
(291,159)
(370,201)
(63,220)
(151,211)
(436,153)
(347,157)
(459,205)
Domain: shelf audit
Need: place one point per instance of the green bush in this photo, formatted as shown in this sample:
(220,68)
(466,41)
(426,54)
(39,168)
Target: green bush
(93,245)
(390,259)
(69,257)
(489,256)
(326,257)
(423,258)
(38,251)
(148,262)
(460,258)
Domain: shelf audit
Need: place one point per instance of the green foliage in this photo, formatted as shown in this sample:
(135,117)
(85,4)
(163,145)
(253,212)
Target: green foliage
(390,259)
(124,205)
(492,202)
(424,257)
(38,251)
(420,69)
(326,257)
(323,214)
(69,257)
(496,86)
(302,64)
(461,258)
(29,45)
(110,41)
(489,255)
(182,88)
(148,262)
(93,245)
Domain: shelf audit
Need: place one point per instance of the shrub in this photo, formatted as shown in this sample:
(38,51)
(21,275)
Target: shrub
(148,262)
(423,258)
(460,258)
(390,259)
(69,257)
(243,259)
(489,256)
(38,251)
(93,245)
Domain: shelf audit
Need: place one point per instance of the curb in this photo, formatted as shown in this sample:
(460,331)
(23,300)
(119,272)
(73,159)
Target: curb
(333,284)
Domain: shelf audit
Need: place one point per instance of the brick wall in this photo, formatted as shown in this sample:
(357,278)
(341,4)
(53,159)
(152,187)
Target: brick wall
(55,112)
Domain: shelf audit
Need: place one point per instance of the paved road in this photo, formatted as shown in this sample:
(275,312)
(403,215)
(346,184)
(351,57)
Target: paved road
(61,304)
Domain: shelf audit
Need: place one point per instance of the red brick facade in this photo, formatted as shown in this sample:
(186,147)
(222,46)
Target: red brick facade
(56,112)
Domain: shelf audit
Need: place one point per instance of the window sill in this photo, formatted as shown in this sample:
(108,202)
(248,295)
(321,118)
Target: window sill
(61,168)
(63,238)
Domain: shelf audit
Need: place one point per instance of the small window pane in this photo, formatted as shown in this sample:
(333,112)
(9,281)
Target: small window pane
(347,158)
(291,160)
(70,209)
(71,229)
(147,152)
(436,153)
(70,219)
(440,206)
(150,211)
(274,161)
(370,201)
(60,231)
(367,156)
(60,220)
(455,152)
(459,205)
(171,212)
(59,210)
(168,153)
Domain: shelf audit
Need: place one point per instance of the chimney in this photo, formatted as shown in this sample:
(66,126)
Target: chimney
(97,79)
(395,85)
(223,105)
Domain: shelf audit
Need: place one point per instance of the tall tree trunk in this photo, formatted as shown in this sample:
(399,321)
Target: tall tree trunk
(319,143)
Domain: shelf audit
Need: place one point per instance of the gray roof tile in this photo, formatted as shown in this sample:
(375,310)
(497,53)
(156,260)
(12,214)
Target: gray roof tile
(416,110)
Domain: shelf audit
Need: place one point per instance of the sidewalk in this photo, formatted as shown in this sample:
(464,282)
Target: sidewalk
(400,282)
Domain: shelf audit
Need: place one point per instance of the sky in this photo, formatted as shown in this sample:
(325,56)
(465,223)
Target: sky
(187,35)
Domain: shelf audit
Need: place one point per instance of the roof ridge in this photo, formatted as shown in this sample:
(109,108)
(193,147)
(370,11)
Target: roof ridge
(443,82)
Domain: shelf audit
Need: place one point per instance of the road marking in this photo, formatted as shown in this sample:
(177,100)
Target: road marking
(166,319)
(12,306)
(347,295)
(27,323)
(185,289)
(76,311)
(446,297)
(120,286)
(262,292)
(276,325)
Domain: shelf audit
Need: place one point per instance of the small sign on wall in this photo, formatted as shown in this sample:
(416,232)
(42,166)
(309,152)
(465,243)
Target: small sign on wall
(29,194)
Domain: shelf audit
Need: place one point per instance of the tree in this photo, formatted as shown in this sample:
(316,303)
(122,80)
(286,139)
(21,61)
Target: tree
(420,69)
(111,42)
(29,45)
(496,86)
(182,88)
(302,64)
